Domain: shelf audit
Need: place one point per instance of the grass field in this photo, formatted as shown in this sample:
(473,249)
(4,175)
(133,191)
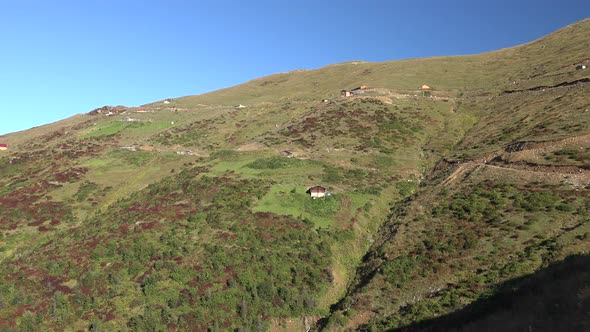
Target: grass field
(116,127)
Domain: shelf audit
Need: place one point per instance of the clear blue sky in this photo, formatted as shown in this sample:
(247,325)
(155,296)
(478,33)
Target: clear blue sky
(59,58)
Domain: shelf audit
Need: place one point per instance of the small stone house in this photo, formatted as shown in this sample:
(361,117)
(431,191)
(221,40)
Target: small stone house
(317,192)
(426,90)
(128,119)
(356,91)
(185,153)
(360,90)
(286,153)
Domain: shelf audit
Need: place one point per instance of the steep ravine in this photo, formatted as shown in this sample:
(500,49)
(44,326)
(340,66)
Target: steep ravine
(369,265)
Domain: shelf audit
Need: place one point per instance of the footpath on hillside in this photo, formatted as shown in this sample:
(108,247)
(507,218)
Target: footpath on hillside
(522,158)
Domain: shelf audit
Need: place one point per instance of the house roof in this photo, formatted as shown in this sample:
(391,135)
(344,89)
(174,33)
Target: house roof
(317,189)
(425,87)
(362,87)
(2,145)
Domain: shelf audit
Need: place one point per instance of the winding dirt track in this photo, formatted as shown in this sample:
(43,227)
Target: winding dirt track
(515,161)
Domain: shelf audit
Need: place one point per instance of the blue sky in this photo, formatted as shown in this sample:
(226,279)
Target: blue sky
(59,58)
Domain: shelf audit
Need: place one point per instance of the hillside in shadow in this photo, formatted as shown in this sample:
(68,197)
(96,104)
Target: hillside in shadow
(556,298)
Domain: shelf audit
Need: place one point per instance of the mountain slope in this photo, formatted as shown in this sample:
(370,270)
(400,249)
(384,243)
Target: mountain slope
(551,299)
(183,214)
(547,61)
(510,199)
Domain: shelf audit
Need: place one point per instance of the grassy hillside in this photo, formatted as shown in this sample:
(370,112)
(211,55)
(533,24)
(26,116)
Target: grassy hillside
(547,61)
(183,215)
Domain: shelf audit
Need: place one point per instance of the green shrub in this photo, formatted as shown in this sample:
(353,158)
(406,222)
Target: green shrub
(86,188)
(269,163)
(564,207)
(225,155)
(399,270)
(384,161)
(406,188)
(331,174)
(567,152)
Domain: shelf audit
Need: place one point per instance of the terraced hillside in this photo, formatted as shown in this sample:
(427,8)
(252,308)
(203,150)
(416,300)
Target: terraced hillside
(188,214)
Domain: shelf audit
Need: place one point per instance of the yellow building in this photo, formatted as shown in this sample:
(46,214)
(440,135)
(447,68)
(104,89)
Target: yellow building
(426,90)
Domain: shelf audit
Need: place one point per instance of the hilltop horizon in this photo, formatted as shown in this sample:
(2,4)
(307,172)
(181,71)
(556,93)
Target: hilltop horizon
(133,53)
(292,71)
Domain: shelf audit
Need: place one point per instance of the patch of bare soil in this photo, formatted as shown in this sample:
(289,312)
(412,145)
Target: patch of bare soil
(359,319)
(302,324)
(251,147)
(147,148)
